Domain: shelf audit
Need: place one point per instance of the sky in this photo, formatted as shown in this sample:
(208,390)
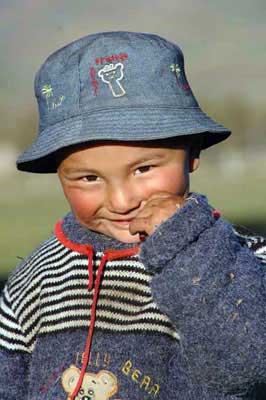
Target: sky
(223,43)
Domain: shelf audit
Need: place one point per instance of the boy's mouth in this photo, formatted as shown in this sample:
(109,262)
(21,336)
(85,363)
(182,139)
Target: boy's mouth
(122,221)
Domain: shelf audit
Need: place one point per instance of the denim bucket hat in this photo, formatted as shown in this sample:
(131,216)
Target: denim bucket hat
(118,86)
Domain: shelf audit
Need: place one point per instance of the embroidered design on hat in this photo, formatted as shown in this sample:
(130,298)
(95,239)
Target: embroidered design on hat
(94,82)
(110,59)
(176,69)
(47,91)
(51,102)
(112,74)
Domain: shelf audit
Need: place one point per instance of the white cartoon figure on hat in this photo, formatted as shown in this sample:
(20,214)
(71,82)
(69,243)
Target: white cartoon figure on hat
(99,386)
(112,74)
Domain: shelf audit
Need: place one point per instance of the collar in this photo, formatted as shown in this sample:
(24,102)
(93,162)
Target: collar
(79,235)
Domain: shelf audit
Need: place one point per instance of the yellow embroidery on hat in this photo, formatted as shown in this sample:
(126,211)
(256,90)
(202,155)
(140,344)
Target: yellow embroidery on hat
(48,94)
(176,69)
(47,91)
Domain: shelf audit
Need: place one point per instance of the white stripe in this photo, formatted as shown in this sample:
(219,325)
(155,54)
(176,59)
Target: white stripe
(36,281)
(143,299)
(54,285)
(261,251)
(113,327)
(13,336)
(125,263)
(128,274)
(156,318)
(6,309)
(21,300)
(15,346)
(126,307)
(25,264)
(115,305)
(142,287)
(20,304)
(136,326)
(10,324)
(47,306)
(126,296)
(35,268)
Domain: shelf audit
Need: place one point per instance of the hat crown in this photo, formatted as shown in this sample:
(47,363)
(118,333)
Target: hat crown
(119,86)
(111,70)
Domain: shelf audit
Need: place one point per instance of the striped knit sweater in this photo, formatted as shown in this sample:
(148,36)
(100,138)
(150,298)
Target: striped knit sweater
(178,318)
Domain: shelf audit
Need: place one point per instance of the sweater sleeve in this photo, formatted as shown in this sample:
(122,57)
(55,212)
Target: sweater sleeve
(213,290)
(14,355)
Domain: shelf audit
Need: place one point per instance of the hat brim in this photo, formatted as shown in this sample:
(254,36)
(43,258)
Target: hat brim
(123,125)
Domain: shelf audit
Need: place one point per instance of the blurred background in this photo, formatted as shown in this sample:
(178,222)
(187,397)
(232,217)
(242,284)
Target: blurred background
(224,47)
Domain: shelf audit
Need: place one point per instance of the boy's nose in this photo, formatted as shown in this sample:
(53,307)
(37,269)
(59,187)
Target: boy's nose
(122,199)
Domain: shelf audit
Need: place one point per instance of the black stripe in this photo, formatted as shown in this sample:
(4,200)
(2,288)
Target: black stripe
(112,332)
(35,270)
(129,278)
(125,312)
(29,262)
(28,303)
(107,320)
(28,286)
(80,308)
(13,341)
(88,296)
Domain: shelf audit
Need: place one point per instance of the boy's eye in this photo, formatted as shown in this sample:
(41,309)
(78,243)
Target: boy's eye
(90,178)
(143,169)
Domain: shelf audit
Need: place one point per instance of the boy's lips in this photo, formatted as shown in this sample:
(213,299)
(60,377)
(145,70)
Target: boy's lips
(122,221)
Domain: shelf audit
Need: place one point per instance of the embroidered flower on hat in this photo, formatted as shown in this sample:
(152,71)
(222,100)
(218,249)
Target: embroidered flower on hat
(47,91)
(176,69)
(112,74)
(51,102)
(181,80)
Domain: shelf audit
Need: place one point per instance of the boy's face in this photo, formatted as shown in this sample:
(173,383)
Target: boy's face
(107,185)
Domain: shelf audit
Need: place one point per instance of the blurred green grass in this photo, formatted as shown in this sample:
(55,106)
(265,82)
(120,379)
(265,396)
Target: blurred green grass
(31,204)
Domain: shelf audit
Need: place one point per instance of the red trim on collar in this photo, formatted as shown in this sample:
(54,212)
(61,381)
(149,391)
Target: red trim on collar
(80,248)
(84,248)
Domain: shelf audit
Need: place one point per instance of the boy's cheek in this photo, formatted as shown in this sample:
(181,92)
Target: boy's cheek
(82,205)
(173,181)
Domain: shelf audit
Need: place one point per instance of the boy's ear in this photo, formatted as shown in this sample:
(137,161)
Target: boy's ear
(194,164)
(194,160)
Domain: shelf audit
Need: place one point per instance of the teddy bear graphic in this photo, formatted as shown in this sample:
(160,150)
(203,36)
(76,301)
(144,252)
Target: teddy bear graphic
(112,74)
(99,386)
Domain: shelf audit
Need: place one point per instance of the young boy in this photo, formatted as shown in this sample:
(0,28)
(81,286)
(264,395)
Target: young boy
(143,291)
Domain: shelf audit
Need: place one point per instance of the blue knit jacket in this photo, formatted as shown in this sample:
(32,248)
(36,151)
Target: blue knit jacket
(183,317)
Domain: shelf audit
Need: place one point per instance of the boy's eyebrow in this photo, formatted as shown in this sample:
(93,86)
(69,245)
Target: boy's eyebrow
(70,170)
(144,158)
(130,164)
(148,157)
